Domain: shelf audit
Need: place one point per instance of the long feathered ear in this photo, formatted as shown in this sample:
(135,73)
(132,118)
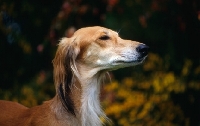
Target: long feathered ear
(63,63)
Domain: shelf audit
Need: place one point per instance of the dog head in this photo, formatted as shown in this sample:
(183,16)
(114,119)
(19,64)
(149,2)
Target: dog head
(101,48)
(94,49)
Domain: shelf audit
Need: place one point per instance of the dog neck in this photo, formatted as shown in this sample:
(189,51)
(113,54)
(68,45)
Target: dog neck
(90,109)
(90,102)
(85,93)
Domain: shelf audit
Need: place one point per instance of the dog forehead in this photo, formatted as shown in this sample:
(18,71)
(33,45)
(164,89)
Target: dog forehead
(90,31)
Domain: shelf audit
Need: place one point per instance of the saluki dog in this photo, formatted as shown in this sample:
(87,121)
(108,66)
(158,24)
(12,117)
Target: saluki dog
(80,64)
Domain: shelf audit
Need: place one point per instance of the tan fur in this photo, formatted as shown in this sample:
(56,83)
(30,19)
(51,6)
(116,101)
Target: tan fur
(80,65)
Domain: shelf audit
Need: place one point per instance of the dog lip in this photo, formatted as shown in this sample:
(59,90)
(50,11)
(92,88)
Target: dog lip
(130,61)
(140,59)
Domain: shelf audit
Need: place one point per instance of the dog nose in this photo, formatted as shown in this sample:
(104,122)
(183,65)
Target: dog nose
(142,49)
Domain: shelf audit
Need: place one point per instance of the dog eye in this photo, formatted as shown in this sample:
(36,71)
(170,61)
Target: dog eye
(105,37)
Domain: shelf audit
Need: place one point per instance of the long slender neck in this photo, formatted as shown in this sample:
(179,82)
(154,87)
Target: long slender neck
(90,108)
(90,104)
(85,96)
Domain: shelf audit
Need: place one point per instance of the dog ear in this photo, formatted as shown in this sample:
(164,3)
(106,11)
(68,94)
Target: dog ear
(63,63)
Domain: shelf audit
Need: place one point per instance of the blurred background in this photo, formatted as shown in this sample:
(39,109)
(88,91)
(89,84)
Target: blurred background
(163,91)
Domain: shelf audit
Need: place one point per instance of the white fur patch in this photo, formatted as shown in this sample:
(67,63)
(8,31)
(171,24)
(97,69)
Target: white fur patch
(91,110)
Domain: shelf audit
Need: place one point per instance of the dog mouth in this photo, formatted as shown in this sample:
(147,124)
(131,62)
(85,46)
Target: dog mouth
(131,61)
